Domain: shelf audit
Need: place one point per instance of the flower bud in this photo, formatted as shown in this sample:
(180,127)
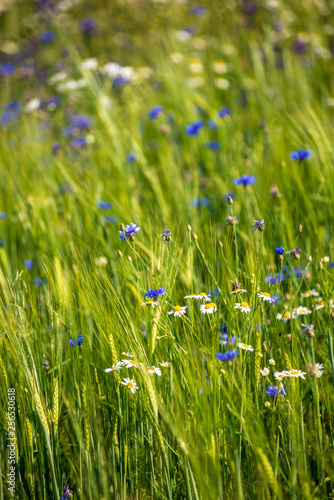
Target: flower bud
(119,253)
(320,266)
(230,200)
(299,228)
(310,258)
(129,258)
(195,236)
(267,404)
(220,244)
(189,227)
(122,227)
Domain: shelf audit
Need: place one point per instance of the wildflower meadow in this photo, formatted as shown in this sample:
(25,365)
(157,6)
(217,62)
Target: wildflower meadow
(166,249)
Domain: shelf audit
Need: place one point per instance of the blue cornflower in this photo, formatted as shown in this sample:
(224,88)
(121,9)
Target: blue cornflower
(67,493)
(299,273)
(214,292)
(167,235)
(224,112)
(105,205)
(223,327)
(198,11)
(275,278)
(279,250)
(155,112)
(119,81)
(56,148)
(89,27)
(72,342)
(53,102)
(274,391)
(47,37)
(154,294)
(7,69)
(213,145)
(129,232)
(228,339)
(212,124)
(228,195)
(193,129)
(295,252)
(28,264)
(131,158)
(111,220)
(38,281)
(197,202)
(3,216)
(277,298)
(259,224)
(245,180)
(300,154)
(11,112)
(81,122)
(80,339)
(78,143)
(228,355)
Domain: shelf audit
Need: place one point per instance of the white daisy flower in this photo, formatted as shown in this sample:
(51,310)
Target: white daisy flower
(280,375)
(115,367)
(239,290)
(245,347)
(272,362)
(208,308)
(266,297)
(165,364)
(150,303)
(301,311)
(154,369)
(130,363)
(321,305)
(325,259)
(129,354)
(296,373)
(89,64)
(243,306)
(265,372)
(203,296)
(309,293)
(318,370)
(178,310)
(287,316)
(131,384)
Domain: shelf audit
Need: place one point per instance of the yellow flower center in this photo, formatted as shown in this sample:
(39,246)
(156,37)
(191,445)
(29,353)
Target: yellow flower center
(177,308)
(307,294)
(192,295)
(130,384)
(237,290)
(244,304)
(202,294)
(209,305)
(286,315)
(294,372)
(322,303)
(280,375)
(132,362)
(245,346)
(266,294)
(149,302)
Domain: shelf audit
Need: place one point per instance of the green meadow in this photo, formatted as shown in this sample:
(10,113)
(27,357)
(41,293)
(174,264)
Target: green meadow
(166,250)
